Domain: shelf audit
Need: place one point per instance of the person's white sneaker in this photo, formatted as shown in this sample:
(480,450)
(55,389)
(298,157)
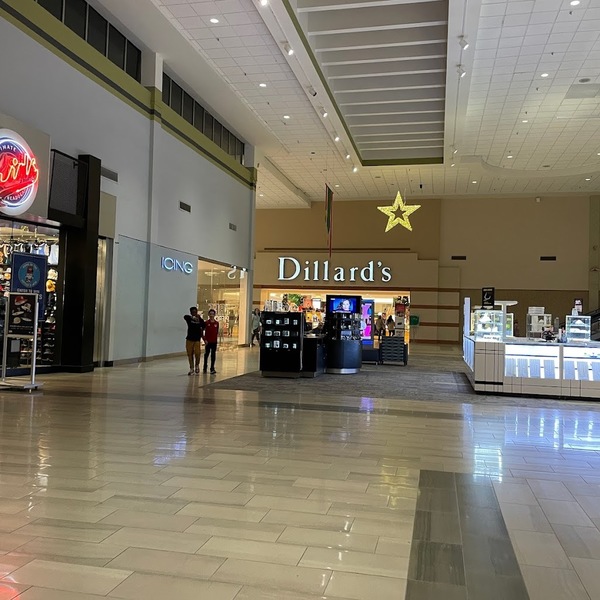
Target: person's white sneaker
(190,372)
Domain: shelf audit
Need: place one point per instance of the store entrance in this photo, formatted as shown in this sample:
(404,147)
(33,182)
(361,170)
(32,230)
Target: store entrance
(392,306)
(219,289)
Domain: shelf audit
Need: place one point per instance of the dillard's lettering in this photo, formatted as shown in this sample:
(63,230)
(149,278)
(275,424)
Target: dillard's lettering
(317,271)
(172,264)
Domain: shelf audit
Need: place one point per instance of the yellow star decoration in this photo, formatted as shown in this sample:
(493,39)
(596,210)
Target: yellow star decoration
(405,209)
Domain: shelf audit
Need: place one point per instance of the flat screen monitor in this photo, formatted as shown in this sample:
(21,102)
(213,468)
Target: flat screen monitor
(343,304)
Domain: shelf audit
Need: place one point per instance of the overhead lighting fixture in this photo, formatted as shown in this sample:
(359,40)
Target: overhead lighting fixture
(355,170)
(473,182)
(286,116)
(261,195)
(337,185)
(524,121)
(509,156)
(461,71)
(264,2)
(214,20)
(463,43)
(324,113)
(453,165)
(262,85)
(347,157)
(336,138)
(288,49)
(588,178)
(544,75)
(575,2)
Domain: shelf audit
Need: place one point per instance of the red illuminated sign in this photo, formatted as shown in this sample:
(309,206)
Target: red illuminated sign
(19,174)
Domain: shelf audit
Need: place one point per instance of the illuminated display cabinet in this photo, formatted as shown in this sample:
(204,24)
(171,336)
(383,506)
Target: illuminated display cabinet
(487,324)
(578,328)
(532,367)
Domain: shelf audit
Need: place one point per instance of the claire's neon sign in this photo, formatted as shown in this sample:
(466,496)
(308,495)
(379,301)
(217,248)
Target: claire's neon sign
(19,174)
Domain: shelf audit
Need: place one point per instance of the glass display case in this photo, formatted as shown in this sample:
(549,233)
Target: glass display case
(578,328)
(510,324)
(537,324)
(581,363)
(532,361)
(488,325)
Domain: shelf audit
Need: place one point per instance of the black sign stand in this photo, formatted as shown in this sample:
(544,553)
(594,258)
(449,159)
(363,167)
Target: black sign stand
(21,322)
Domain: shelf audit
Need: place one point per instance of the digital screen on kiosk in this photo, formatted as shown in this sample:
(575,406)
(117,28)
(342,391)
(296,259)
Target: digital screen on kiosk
(343,304)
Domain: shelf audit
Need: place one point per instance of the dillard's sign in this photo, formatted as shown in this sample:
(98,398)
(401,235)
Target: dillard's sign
(291,269)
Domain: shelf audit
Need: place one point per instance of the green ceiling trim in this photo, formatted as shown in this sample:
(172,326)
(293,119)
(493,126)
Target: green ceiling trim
(33,20)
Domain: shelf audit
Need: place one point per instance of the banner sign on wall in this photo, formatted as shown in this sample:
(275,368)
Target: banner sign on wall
(21,314)
(488,297)
(28,274)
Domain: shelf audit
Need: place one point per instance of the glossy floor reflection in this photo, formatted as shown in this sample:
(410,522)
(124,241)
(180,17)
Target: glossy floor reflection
(139,482)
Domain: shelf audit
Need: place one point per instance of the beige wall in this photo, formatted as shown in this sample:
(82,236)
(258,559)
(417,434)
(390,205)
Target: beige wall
(502,239)
(356,225)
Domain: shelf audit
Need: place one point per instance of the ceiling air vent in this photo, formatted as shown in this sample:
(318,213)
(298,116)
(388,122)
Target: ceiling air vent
(579,91)
(459,257)
(550,258)
(232,227)
(185,207)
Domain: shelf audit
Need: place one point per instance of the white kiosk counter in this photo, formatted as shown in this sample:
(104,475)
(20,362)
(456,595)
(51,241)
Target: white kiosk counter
(533,367)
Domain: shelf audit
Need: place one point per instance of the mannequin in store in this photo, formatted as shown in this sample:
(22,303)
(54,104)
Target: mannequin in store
(193,349)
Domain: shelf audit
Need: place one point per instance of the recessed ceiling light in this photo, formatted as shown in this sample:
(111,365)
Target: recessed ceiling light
(355,170)
(598,153)
(336,138)
(347,157)
(544,74)
(463,43)
(509,156)
(473,182)
(289,50)
(337,185)
(453,165)
(324,113)
(524,121)
(588,178)
(214,20)
(262,85)
(575,2)
(286,116)
(261,195)
(264,2)
(461,71)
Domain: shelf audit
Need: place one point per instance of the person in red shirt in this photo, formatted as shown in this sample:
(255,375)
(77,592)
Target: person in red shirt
(210,337)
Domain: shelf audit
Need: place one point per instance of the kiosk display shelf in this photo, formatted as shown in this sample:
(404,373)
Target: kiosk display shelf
(344,334)
(281,344)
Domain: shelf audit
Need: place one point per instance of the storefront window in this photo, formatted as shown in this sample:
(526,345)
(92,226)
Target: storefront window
(219,288)
(44,241)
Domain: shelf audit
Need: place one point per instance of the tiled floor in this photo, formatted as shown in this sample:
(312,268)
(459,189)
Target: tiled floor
(140,482)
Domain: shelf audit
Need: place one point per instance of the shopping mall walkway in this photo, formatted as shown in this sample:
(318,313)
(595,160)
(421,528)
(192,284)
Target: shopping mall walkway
(140,482)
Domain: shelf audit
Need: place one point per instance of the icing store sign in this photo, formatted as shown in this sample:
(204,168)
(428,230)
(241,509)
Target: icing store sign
(173,264)
(19,174)
(291,269)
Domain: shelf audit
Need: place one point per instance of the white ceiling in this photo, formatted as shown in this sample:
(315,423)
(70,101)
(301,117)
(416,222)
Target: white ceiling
(512,42)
